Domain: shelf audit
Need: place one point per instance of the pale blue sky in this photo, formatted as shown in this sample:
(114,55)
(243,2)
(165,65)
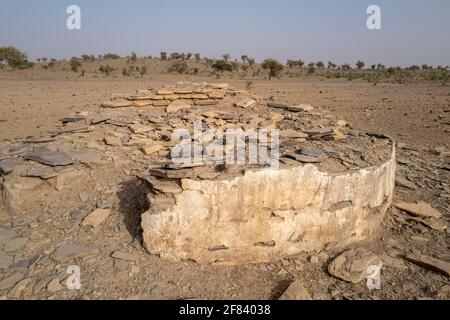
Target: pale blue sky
(414,31)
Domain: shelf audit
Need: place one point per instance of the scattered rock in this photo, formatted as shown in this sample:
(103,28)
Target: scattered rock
(113,141)
(51,158)
(5,261)
(402,182)
(352,266)
(245,103)
(68,252)
(15,244)
(54,285)
(296,291)
(6,235)
(9,165)
(419,209)
(96,218)
(178,105)
(430,263)
(10,281)
(127,256)
(16,292)
(151,149)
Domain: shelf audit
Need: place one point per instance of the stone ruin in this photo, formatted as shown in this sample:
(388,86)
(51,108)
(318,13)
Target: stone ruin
(332,187)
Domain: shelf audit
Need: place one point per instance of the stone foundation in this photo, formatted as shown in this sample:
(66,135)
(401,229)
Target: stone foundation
(268,214)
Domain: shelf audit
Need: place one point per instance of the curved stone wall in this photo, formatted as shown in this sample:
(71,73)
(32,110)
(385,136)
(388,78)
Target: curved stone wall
(269,214)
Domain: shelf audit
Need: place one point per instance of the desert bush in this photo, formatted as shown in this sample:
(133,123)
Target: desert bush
(75,64)
(311,68)
(226,56)
(320,64)
(132,58)
(249,85)
(221,66)
(331,65)
(87,57)
(188,56)
(360,64)
(111,56)
(126,72)
(273,66)
(14,58)
(346,67)
(179,67)
(175,56)
(163,56)
(143,71)
(197,57)
(106,70)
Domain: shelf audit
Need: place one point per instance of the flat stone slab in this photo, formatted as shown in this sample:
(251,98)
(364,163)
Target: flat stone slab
(9,165)
(68,252)
(51,158)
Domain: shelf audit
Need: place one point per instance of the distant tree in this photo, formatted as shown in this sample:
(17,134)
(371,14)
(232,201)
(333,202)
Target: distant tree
(273,66)
(320,64)
(331,65)
(226,56)
(360,64)
(373,67)
(163,56)
(197,57)
(143,71)
(132,58)
(111,56)
(244,58)
(311,68)
(75,64)
(175,56)
(14,58)
(291,63)
(188,56)
(346,67)
(380,66)
(179,67)
(222,65)
(251,61)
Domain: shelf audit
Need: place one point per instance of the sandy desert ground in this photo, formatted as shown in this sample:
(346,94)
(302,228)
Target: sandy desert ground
(415,114)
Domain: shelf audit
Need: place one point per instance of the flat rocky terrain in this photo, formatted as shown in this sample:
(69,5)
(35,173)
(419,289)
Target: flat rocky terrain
(87,211)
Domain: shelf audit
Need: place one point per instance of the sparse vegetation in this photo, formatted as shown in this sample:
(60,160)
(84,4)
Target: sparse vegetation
(75,64)
(14,58)
(111,56)
(106,70)
(132,58)
(273,66)
(179,67)
(163,56)
(360,64)
(222,66)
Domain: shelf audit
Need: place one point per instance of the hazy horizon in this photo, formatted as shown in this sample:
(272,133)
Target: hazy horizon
(413,32)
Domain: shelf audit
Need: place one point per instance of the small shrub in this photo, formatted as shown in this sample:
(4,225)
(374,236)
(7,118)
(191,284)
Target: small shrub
(179,67)
(163,56)
(132,58)
(111,56)
(197,57)
(75,64)
(14,58)
(221,66)
(106,70)
(273,66)
(143,71)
